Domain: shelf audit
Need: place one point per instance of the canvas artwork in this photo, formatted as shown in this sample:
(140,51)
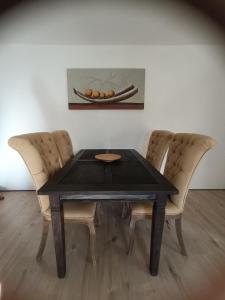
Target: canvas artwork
(106,88)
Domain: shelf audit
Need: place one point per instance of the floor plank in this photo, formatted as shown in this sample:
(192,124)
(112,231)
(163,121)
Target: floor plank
(116,276)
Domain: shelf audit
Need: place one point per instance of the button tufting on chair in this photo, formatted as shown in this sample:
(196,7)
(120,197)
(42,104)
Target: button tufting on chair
(179,169)
(41,156)
(156,151)
(64,145)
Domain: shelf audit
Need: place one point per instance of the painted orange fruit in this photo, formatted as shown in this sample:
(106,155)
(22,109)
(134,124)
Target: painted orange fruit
(88,92)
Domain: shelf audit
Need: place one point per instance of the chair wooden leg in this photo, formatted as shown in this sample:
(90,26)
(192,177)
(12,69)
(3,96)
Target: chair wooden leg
(91,227)
(125,210)
(98,214)
(131,242)
(178,223)
(44,236)
(168,224)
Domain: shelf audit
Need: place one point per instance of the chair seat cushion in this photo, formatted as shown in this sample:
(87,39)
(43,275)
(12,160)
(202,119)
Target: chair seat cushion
(76,211)
(145,209)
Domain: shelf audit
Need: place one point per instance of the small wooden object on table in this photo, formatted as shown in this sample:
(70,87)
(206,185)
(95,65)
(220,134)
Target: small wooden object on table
(108,157)
(1,196)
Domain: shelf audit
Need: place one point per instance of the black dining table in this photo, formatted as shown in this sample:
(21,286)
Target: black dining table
(130,179)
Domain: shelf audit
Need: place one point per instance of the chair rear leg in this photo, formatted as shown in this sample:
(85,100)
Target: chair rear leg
(131,233)
(98,214)
(44,236)
(125,210)
(91,227)
(168,224)
(178,223)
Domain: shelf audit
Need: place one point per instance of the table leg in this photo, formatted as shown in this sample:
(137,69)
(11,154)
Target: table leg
(158,219)
(58,233)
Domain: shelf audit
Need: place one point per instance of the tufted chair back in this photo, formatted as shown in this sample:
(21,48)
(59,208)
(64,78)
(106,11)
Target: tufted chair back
(41,157)
(185,152)
(157,147)
(64,145)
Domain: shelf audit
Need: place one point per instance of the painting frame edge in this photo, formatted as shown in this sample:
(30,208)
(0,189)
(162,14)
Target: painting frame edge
(107,106)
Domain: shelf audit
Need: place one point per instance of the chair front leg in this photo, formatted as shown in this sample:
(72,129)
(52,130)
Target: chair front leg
(91,227)
(45,228)
(178,223)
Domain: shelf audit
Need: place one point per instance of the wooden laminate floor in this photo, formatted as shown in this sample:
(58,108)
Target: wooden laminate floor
(116,275)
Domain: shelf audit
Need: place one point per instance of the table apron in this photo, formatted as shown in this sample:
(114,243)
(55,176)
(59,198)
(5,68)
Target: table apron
(103,196)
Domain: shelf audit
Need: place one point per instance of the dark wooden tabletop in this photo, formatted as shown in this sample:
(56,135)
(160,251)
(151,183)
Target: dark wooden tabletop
(84,177)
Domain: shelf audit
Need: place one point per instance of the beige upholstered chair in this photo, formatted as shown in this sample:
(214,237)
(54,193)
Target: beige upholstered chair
(185,152)
(41,157)
(157,148)
(64,145)
(65,148)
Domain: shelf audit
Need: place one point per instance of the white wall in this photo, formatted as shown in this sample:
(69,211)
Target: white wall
(178,46)
(184,93)
(107,22)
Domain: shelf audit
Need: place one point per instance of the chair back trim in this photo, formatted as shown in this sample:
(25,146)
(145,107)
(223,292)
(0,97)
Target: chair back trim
(185,152)
(41,157)
(64,145)
(158,146)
